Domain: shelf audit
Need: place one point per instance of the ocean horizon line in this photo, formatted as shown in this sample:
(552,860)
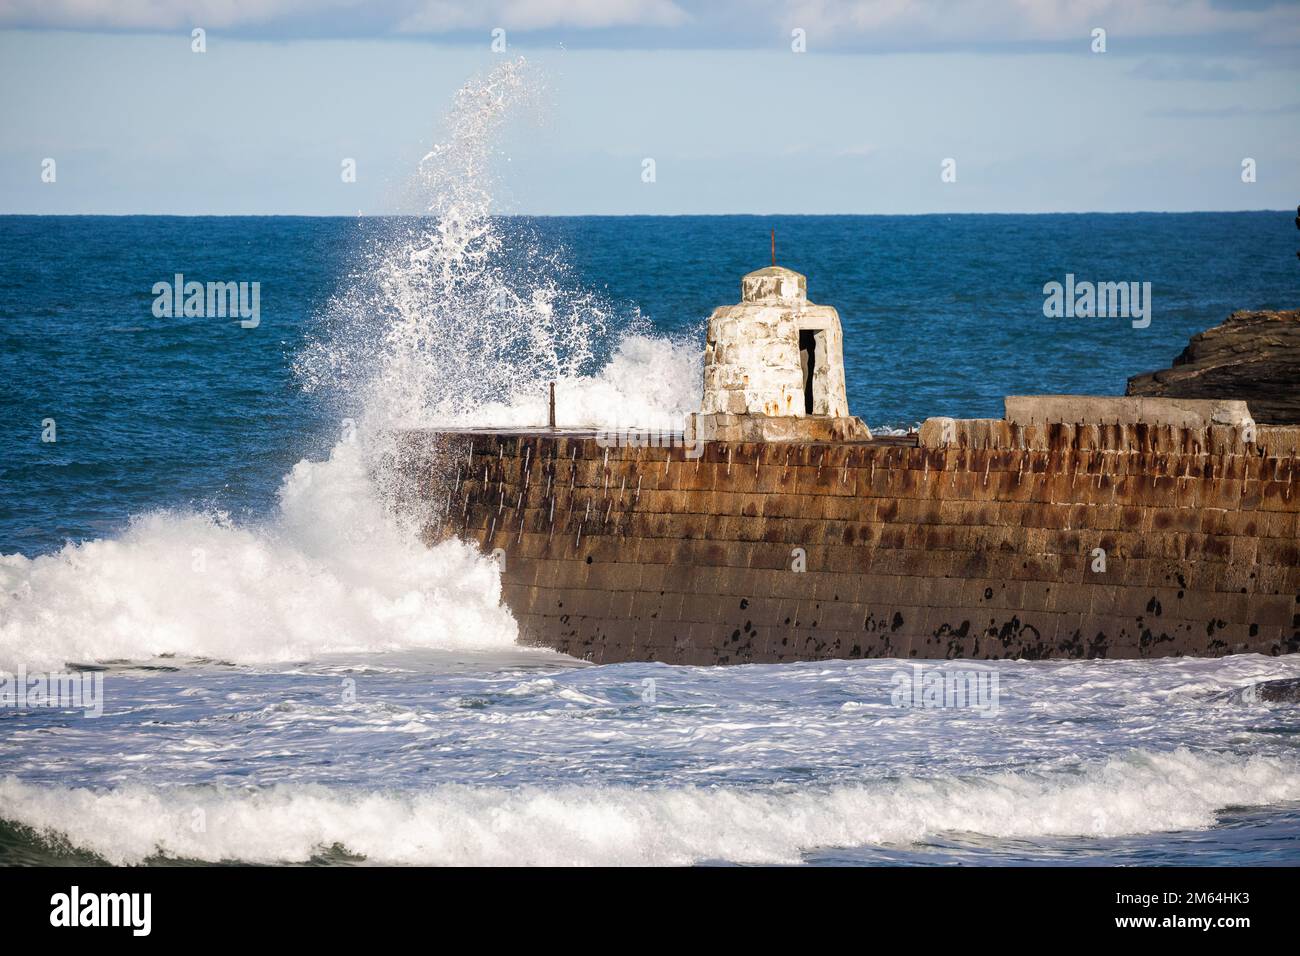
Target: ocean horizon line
(633,215)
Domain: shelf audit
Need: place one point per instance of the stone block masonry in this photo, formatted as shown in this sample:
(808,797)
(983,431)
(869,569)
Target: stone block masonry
(984,539)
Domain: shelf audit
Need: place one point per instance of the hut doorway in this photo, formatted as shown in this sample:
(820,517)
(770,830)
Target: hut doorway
(808,366)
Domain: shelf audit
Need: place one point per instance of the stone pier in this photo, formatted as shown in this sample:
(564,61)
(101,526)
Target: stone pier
(776,528)
(976,539)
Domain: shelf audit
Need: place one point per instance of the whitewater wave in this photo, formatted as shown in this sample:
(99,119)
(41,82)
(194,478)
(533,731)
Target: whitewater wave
(453,321)
(650,382)
(331,571)
(457,308)
(1138,792)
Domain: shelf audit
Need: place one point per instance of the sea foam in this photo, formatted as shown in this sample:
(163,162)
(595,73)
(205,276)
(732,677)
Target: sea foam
(1133,793)
(329,571)
(449,319)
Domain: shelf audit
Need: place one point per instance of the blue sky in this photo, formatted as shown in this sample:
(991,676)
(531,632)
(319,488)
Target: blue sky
(734,119)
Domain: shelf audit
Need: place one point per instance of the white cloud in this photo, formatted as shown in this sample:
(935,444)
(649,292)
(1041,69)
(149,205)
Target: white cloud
(387,16)
(1010,21)
(444,16)
(153,15)
(720,24)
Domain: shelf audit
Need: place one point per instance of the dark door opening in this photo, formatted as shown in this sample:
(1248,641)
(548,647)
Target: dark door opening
(808,359)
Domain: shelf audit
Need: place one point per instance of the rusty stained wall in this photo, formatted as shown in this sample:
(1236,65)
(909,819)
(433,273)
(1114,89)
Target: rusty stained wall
(617,554)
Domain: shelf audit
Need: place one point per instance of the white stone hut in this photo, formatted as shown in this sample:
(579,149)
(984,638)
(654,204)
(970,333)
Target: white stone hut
(774,366)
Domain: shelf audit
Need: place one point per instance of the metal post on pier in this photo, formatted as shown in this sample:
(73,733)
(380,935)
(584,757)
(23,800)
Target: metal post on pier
(550,418)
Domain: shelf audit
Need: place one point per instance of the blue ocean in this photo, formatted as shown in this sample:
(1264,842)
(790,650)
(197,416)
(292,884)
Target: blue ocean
(942,315)
(264,663)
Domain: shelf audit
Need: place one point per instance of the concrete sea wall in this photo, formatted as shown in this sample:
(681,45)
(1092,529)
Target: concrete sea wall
(981,539)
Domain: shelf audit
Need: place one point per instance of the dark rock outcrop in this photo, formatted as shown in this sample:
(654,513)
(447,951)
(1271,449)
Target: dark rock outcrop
(1284,691)
(1253,356)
